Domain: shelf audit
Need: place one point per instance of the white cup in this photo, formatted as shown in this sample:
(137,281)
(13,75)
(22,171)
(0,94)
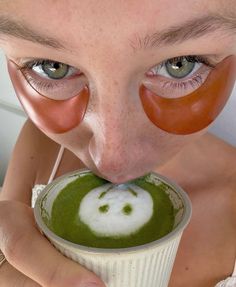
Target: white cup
(147,265)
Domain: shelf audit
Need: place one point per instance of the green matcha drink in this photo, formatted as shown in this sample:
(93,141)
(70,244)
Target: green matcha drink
(92,212)
(128,234)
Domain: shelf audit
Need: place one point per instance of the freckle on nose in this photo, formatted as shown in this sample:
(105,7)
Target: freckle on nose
(115,83)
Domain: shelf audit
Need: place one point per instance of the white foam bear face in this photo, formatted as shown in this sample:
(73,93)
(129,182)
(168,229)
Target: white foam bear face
(116,211)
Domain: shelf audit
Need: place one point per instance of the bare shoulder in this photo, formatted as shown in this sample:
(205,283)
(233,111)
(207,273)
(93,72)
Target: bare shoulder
(222,158)
(24,163)
(219,152)
(217,142)
(207,250)
(223,172)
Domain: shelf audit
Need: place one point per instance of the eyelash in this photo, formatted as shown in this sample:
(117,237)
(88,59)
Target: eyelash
(195,80)
(176,84)
(44,85)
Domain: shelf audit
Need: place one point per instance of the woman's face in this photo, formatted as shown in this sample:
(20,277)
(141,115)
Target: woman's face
(112,47)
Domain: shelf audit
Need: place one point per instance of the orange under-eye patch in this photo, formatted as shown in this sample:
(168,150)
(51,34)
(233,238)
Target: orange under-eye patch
(53,116)
(195,111)
(184,115)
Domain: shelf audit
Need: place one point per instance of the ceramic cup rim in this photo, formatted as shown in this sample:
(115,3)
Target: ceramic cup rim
(95,250)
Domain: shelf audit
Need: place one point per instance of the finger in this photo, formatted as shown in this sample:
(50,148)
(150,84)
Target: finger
(11,277)
(32,254)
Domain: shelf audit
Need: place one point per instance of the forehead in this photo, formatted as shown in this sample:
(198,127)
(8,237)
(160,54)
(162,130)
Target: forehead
(106,18)
(92,29)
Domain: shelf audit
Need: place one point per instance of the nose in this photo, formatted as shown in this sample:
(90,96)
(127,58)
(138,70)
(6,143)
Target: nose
(113,156)
(117,146)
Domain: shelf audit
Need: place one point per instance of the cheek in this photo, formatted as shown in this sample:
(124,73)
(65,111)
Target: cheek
(157,146)
(168,145)
(76,141)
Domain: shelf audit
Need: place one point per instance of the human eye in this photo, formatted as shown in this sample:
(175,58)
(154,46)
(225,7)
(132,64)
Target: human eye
(53,79)
(179,76)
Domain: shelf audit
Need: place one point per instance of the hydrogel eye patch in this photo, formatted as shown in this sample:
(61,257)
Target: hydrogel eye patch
(184,115)
(195,111)
(50,115)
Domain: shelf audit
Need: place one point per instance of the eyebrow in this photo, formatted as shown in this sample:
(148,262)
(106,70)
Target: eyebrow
(21,30)
(190,29)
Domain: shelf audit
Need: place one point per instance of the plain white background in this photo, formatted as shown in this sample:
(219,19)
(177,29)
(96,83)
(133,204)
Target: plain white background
(12,118)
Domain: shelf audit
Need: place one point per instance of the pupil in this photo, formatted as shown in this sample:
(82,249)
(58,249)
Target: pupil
(179,64)
(56,66)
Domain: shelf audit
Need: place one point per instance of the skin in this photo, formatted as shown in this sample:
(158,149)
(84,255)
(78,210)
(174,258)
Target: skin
(116,140)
